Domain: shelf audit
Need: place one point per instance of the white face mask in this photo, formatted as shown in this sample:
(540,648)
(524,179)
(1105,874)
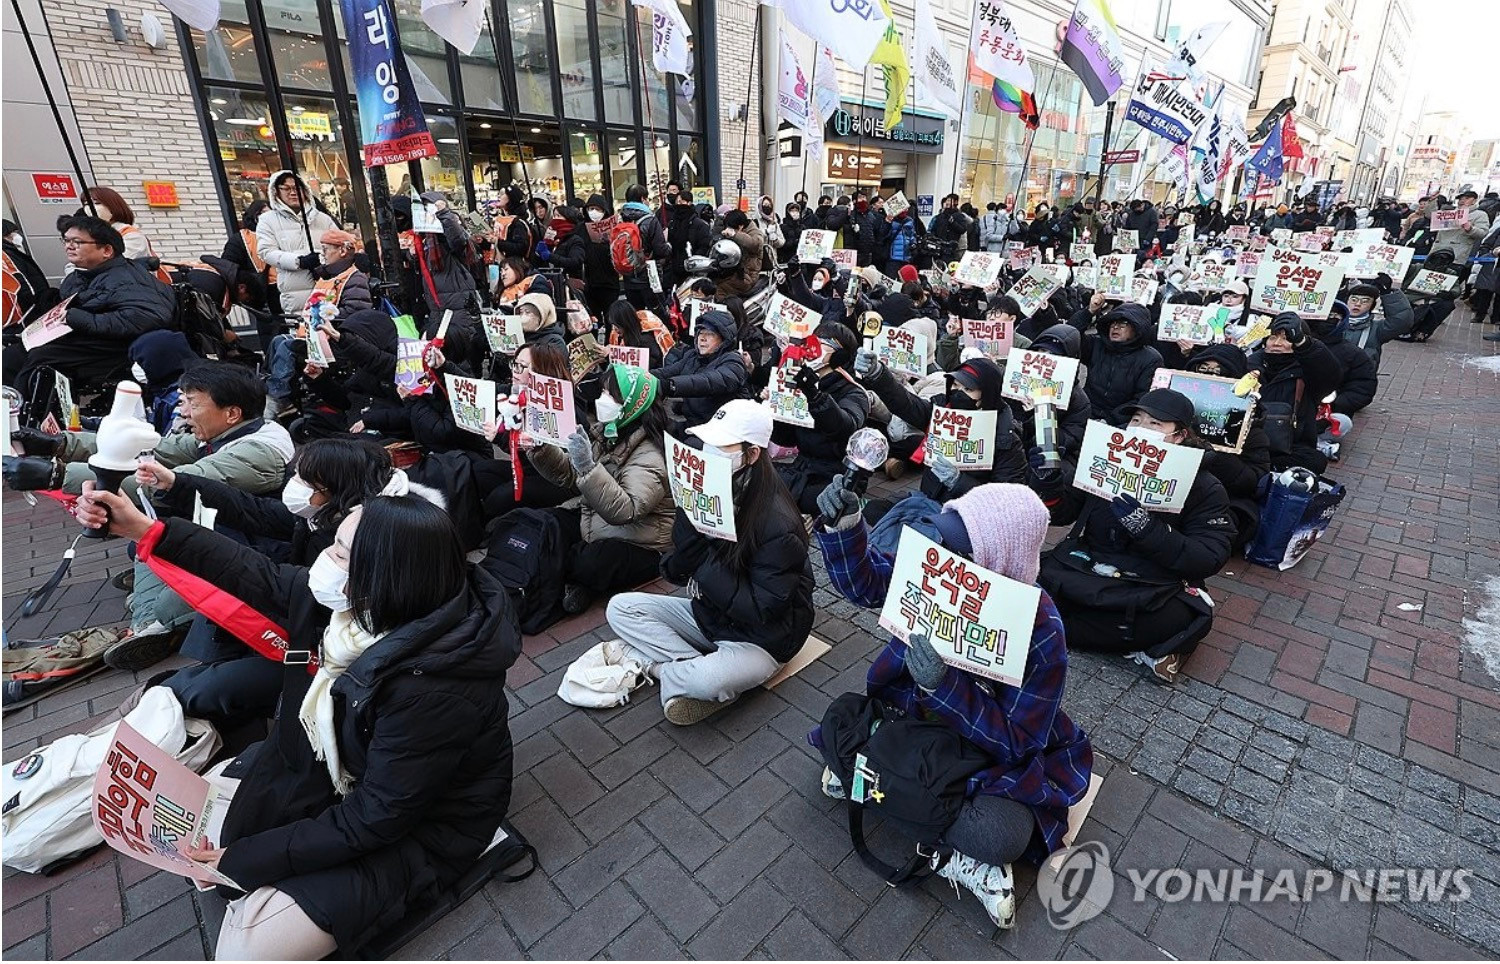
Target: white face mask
(607,409)
(817,284)
(595,214)
(297,497)
(736,457)
(328,583)
(138,373)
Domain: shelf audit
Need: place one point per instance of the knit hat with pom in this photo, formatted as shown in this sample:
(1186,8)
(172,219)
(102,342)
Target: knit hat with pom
(1006,525)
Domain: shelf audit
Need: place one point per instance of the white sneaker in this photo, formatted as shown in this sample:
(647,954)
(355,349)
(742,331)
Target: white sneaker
(833,787)
(617,653)
(993,885)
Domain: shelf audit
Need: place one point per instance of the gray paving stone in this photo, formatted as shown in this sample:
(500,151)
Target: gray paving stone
(688,779)
(532,908)
(746,803)
(645,940)
(586,933)
(892,924)
(742,925)
(743,860)
(464,921)
(820,895)
(145,934)
(681,832)
(672,895)
(797,939)
(604,863)
(603,818)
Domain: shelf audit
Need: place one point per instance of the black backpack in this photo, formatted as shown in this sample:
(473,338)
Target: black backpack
(526,555)
(913,773)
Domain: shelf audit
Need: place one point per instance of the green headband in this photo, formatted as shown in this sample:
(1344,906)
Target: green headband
(637,390)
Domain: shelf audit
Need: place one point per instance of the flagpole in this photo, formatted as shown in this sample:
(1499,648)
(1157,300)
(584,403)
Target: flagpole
(1031,136)
(515,128)
(812,105)
(859,165)
(749,85)
(959,135)
(651,121)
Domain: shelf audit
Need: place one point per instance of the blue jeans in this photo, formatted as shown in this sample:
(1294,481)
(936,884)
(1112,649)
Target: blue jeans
(284,365)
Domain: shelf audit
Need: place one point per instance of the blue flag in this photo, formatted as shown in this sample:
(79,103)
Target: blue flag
(391,122)
(1267,161)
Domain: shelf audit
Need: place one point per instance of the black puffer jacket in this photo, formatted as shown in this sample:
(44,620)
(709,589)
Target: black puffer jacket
(769,602)
(421,726)
(1361,378)
(1120,372)
(704,382)
(447,257)
(838,409)
(1072,422)
(1312,366)
(873,237)
(687,235)
(118,300)
(598,267)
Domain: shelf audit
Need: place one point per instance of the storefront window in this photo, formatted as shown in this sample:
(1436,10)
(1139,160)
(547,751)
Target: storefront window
(227,52)
(691,167)
(481,75)
(615,66)
(445,172)
(318,143)
(575,58)
(655,109)
(658,162)
(588,164)
(685,88)
(533,61)
(296,36)
(623,170)
(247,145)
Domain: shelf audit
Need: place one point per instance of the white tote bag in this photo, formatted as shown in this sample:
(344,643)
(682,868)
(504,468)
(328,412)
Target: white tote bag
(602,677)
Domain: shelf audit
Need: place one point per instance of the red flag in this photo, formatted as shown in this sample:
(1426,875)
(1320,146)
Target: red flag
(1291,144)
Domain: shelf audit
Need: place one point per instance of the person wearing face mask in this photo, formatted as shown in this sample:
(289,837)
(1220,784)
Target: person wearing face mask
(601,283)
(1121,358)
(770,229)
(26,293)
(563,245)
(707,372)
(838,407)
(688,235)
(620,524)
(1233,297)
(791,230)
(749,606)
(1240,473)
(1296,372)
(872,233)
(388,770)
(1129,581)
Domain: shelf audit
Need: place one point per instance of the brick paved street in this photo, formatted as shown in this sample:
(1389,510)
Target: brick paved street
(1322,727)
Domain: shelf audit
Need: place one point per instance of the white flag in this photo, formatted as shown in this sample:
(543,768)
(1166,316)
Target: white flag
(669,33)
(934,69)
(457,21)
(1208,150)
(825,99)
(794,95)
(1191,50)
(996,48)
(852,28)
(202,14)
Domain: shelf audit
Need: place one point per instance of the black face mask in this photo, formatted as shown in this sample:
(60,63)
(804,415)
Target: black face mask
(960,400)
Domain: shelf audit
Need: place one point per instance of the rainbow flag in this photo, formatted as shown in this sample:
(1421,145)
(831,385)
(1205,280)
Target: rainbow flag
(1014,100)
(1091,48)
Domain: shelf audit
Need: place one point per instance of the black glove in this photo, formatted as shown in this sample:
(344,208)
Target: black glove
(308,261)
(669,387)
(30,473)
(1291,326)
(1384,283)
(1133,518)
(806,381)
(36,442)
(838,505)
(1037,470)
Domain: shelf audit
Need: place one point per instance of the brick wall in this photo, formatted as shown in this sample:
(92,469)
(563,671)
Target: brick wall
(735,22)
(135,108)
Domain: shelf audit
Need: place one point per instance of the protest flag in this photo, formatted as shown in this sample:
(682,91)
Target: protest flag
(669,33)
(852,30)
(457,21)
(997,51)
(1091,49)
(1268,161)
(890,54)
(1291,144)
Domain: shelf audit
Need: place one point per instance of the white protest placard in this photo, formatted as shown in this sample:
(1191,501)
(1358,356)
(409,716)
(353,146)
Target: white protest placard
(1020,259)
(424,217)
(1143,290)
(1086,276)
(1037,376)
(977,620)
(1431,282)
(1033,288)
(551,415)
(1080,251)
(625,355)
(1237,232)
(1305,282)
(1199,324)
(786,402)
(1127,241)
(992,335)
(814,245)
(978,268)
(1259,242)
(1061,272)
(472,401)
(1446,220)
(788,318)
(845,258)
(48,328)
(1309,241)
(902,351)
(1115,274)
(702,487)
(1247,264)
(1280,236)
(149,806)
(1138,463)
(1369,260)
(319,351)
(503,331)
(1357,238)
(965,438)
(896,203)
(1208,276)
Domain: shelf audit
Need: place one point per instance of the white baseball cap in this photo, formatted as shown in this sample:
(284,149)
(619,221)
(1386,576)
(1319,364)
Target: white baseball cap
(740,420)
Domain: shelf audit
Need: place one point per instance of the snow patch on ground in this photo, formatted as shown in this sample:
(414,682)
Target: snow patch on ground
(1489,363)
(1482,633)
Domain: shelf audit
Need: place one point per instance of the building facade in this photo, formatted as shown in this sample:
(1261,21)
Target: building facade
(1438,156)
(1383,34)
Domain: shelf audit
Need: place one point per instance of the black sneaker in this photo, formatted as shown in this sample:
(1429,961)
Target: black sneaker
(140,651)
(124,580)
(576,599)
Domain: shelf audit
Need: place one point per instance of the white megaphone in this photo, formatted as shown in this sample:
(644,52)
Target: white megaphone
(122,436)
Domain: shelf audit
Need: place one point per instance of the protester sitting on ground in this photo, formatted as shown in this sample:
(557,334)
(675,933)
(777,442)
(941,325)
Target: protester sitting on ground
(615,532)
(949,351)
(838,406)
(1062,340)
(631,328)
(362,376)
(114,301)
(286,235)
(1240,474)
(1430,311)
(428,418)
(515,483)
(707,372)
(1233,297)
(1377,314)
(393,768)
(1130,581)
(344,290)
(1018,807)
(1121,358)
(749,606)
(1296,371)
(1356,389)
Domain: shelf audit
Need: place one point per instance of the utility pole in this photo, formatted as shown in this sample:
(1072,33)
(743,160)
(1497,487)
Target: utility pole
(1109,125)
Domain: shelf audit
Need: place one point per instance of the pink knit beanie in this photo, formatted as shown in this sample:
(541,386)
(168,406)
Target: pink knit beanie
(1006,524)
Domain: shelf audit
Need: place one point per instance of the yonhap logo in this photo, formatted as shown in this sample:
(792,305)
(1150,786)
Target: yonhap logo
(1077,887)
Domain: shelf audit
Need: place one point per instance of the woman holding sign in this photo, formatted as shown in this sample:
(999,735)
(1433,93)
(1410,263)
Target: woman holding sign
(838,408)
(749,606)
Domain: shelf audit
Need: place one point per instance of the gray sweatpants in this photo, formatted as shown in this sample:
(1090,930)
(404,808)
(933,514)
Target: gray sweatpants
(662,630)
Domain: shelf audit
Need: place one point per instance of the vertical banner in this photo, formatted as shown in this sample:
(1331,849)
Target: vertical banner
(392,126)
(703,488)
(794,95)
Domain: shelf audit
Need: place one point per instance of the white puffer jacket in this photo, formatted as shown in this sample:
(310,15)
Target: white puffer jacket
(283,236)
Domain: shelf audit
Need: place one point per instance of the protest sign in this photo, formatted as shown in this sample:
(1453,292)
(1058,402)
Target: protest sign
(1223,417)
(583,354)
(1037,376)
(1186,233)
(1080,252)
(965,438)
(472,401)
(814,245)
(1199,324)
(977,620)
(1033,288)
(48,328)
(503,331)
(634,357)
(551,415)
(1308,241)
(992,335)
(1259,242)
(424,216)
(978,268)
(1237,232)
(66,403)
(1208,276)
(902,351)
(1020,259)
(1305,282)
(846,258)
(788,318)
(1143,290)
(1014,245)
(1086,276)
(786,402)
(1280,236)
(1115,275)
(1061,272)
(1446,220)
(599,230)
(1369,260)
(411,367)
(1247,264)
(895,204)
(702,487)
(1357,238)
(1138,463)
(149,806)
(1431,282)
(1127,241)
(319,351)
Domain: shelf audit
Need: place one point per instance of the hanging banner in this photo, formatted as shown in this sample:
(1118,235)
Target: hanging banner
(1165,106)
(703,488)
(965,438)
(1138,463)
(852,30)
(460,22)
(392,126)
(794,95)
(472,401)
(1305,282)
(934,70)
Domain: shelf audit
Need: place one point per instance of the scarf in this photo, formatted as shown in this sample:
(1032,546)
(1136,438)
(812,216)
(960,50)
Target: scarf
(634,206)
(344,641)
(561,227)
(638,388)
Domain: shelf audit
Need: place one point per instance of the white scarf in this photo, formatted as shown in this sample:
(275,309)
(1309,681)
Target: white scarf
(343,642)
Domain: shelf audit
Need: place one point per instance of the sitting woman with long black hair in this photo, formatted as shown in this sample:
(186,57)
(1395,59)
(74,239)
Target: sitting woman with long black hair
(388,770)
